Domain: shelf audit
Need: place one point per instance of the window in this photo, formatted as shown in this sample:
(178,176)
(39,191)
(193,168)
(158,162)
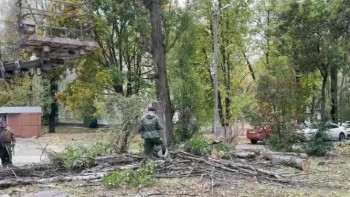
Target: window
(332,126)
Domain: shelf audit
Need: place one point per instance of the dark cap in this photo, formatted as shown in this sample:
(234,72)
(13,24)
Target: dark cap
(152,109)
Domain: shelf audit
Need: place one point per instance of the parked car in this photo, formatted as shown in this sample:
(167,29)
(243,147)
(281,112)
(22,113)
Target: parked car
(338,133)
(347,133)
(261,131)
(346,124)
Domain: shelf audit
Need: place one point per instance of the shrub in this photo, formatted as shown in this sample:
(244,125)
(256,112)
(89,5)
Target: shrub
(320,143)
(283,141)
(142,177)
(224,147)
(199,146)
(81,156)
(202,146)
(185,130)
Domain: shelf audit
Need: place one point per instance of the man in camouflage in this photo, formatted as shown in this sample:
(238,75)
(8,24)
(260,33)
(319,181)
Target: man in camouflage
(7,144)
(150,128)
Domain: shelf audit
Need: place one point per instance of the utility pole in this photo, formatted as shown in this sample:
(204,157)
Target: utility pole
(216,13)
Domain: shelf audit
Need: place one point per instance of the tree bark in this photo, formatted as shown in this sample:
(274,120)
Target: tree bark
(215,71)
(340,111)
(251,70)
(334,93)
(159,59)
(289,160)
(53,112)
(323,97)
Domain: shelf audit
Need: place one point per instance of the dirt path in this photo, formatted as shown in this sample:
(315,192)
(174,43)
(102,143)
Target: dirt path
(27,151)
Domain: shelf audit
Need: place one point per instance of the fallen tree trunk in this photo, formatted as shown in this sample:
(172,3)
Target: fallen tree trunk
(117,160)
(295,160)
(299,155)
(30,181)
(245,154)
(235,167)
(288,160)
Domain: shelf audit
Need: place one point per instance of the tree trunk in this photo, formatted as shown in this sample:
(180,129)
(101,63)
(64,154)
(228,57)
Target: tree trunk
(289,160)
(221,115)
(159,54)
(312,110)
(215,72)
(323,97)
(2,70)
(251,70)
(340,111)
(53,112)
(334,93)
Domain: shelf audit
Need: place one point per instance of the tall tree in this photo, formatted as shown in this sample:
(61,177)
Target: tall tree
(159,59)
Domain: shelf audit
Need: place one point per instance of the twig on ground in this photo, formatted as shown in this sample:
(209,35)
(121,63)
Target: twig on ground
(14,173)
(257,174)
(43,151)
(157,194)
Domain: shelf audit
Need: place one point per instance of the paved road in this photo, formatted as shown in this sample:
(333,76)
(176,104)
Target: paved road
(26,152)
(249,146)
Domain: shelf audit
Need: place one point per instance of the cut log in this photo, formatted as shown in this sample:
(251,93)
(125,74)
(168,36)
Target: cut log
(245,154)
(116,160)
(299,155)
(29,181)
(288,160)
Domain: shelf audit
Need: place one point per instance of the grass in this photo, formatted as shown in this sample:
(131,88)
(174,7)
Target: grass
(69,129)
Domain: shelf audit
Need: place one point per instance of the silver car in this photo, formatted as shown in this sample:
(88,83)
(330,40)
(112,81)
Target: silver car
(338,133)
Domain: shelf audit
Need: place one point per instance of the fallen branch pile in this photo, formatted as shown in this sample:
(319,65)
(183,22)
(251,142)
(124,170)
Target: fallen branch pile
(186,164)
(262,167)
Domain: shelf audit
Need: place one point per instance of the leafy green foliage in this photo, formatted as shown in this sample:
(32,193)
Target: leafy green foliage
(320,143)
(184,80)
(81,156)
(199,146)
(224,147)
(122,113)
(142,177)
(203,146)
(284,141)
(24,90)
(5,93)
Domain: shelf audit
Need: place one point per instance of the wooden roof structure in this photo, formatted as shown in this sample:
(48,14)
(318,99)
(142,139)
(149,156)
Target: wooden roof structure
(40,30)
(52,43)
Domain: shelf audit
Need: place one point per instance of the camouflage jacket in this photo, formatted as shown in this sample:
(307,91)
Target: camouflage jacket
(7,136)
(150,126)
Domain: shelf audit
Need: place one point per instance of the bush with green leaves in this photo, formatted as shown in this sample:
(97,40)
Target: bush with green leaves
(199,146)
(224,147)
(320,143)
(203,146)
(284,141)
(81,156)
(142,177)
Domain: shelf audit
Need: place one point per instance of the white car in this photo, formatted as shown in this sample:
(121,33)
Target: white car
(338,133)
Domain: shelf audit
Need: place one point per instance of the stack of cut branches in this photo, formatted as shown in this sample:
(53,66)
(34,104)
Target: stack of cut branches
(263,167)
(185,165)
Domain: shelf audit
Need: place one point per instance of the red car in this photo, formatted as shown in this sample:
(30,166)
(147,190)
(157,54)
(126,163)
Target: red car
(258,133)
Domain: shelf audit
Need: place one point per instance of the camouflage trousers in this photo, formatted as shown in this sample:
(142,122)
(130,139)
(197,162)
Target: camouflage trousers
(152,147)
(6,152)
